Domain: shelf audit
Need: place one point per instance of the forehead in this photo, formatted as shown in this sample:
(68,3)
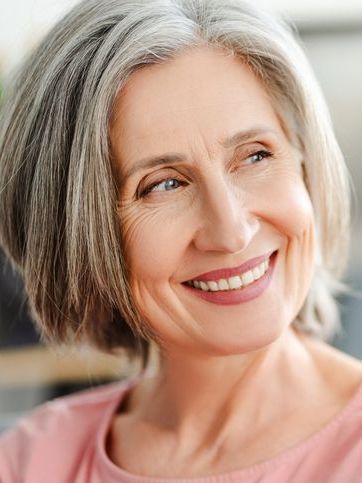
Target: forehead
(204,94)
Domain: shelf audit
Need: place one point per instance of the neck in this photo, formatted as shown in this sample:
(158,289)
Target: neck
(218,394)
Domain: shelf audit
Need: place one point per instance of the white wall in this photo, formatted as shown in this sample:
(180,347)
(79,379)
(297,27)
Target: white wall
(23,22)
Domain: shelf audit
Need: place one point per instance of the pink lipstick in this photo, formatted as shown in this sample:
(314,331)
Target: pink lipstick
(240,295)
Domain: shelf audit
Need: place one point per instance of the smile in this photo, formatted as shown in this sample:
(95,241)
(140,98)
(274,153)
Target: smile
(237,289)
(232,283)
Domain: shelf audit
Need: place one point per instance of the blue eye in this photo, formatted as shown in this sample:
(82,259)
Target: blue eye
(165,182)
(257,157)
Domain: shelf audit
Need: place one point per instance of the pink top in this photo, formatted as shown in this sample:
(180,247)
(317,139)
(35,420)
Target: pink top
(63,441)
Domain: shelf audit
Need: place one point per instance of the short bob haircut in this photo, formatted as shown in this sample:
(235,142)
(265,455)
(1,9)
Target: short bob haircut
(59,222)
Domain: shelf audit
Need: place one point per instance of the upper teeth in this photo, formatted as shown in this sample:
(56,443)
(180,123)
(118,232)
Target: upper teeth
(235,282)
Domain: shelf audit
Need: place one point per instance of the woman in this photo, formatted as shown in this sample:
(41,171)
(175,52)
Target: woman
(171,177)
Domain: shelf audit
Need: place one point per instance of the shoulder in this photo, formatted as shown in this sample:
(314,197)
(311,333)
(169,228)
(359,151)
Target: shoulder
(58,432)
(335,452)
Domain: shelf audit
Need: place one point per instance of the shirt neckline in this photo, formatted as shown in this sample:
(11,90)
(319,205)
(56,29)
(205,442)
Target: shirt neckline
(116,474)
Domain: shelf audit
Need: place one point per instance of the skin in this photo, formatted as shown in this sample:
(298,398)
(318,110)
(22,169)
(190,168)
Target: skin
(219,401)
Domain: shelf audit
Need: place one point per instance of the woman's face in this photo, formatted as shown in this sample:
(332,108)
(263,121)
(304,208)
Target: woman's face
(229,190)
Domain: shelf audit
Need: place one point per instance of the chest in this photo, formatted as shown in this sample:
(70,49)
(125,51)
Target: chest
(147,451)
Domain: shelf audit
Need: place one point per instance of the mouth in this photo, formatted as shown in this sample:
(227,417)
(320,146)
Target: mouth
(237,289)
(252,273)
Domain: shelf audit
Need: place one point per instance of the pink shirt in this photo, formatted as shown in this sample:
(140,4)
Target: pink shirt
(63,441)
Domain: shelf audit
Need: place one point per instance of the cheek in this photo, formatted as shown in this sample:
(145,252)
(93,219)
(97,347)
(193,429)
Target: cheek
(289,206)
(294,218)
(298,224)
(152,242)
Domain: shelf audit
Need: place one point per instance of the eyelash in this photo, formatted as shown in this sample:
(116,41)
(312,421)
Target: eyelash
(262,152)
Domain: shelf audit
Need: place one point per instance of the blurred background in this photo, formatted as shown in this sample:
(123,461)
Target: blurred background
(331,32)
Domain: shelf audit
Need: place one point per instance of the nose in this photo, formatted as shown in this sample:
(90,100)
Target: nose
(226,223)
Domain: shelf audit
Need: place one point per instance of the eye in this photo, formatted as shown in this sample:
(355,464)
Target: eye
(257,157)
(168,184)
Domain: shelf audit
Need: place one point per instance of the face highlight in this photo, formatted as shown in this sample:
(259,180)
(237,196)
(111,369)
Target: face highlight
(209,180)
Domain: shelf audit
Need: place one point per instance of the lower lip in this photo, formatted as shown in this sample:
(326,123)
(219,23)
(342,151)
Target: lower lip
(240,295)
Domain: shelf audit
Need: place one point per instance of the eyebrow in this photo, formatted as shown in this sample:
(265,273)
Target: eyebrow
(176,158)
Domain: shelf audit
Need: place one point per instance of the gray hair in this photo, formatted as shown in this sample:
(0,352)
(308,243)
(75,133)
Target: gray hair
(58,203)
